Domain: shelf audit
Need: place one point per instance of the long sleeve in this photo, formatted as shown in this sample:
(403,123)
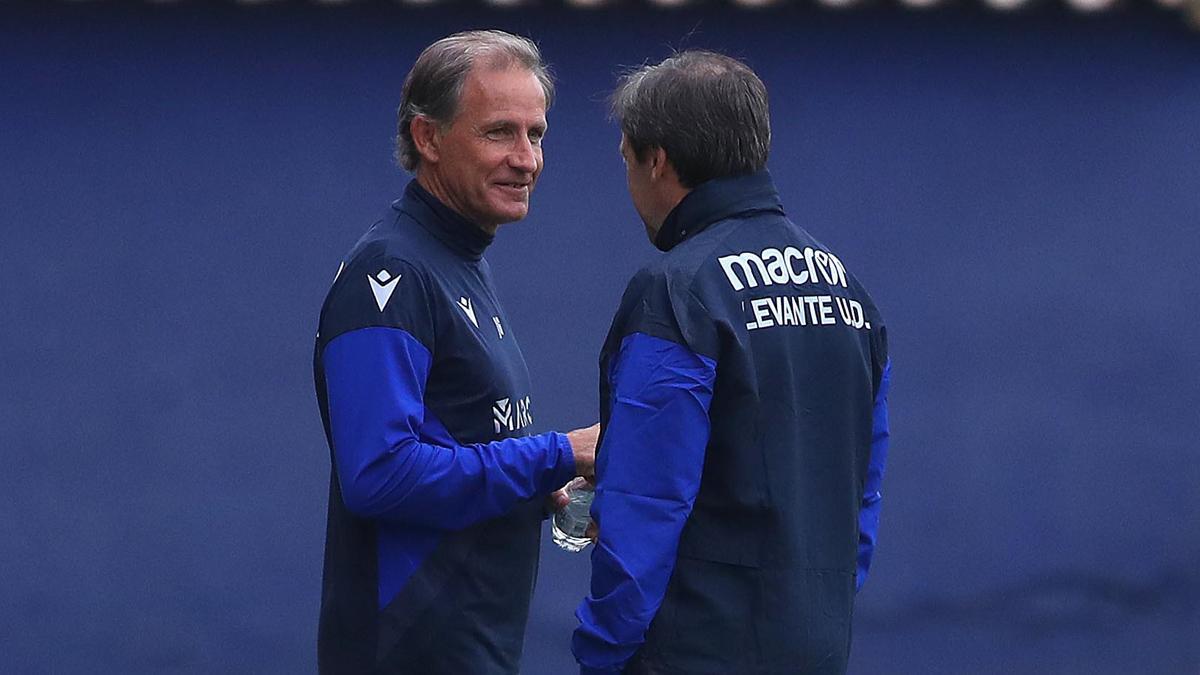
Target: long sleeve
(648,475)
(868,515)
(375,378)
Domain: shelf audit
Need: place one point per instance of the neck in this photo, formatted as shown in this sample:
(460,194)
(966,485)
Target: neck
(432,182)
(716,200)
(670,195)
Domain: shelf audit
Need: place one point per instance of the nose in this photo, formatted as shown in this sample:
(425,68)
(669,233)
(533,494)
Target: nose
(523,156)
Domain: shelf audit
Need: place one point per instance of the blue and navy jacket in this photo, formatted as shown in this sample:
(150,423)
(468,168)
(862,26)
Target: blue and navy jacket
(744,414)
(435,493)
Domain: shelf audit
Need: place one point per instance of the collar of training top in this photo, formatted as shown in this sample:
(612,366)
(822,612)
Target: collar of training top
(463,236)
(716,200)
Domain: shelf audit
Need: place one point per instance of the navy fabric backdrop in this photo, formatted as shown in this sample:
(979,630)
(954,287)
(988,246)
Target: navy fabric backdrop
(1020,194)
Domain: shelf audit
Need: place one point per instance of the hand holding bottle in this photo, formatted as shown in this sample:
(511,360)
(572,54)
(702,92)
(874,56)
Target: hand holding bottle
(572,526)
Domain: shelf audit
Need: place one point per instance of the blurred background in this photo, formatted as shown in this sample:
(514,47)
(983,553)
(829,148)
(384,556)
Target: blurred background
(1015,181)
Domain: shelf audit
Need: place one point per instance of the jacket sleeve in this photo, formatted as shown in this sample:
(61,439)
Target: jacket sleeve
(375,380)
(868,515)
(648,475)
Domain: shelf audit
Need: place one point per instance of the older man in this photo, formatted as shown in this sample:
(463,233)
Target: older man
(437,486)
(744,392)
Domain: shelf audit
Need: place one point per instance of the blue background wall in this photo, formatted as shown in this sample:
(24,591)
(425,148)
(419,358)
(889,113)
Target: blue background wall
(178,184)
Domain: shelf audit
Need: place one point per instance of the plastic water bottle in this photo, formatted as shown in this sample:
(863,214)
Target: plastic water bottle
(571,521)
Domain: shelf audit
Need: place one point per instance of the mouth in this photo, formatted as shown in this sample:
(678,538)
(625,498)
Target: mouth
(516,188)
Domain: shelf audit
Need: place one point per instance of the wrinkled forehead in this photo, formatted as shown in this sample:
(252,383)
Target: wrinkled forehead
(513,90)
(511,73)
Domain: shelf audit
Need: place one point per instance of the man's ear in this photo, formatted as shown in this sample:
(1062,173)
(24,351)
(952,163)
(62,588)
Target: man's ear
(657,158)
(426,138)
(661,168)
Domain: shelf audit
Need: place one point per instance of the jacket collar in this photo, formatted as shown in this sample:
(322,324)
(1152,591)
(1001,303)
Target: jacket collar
(716,200)
(459,234)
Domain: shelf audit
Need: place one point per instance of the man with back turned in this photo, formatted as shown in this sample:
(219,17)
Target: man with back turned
(743,405)
(438,482)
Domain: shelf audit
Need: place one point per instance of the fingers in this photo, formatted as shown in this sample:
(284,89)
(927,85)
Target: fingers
(592,532)
(559,499)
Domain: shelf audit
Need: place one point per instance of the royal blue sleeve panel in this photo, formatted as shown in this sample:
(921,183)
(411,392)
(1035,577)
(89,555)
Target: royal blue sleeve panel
(868,514)
(648,474)
(375,379)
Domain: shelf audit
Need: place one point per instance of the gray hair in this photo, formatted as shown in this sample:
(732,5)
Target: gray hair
(435,83)
(707,111)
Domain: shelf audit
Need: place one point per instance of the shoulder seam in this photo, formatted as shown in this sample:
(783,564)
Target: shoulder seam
(376,326)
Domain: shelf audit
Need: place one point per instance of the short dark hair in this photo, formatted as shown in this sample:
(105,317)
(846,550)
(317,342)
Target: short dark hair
(435,83)
(707,111)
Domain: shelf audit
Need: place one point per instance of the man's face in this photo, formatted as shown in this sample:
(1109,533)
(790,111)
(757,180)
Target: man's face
(637,178)
(491,155)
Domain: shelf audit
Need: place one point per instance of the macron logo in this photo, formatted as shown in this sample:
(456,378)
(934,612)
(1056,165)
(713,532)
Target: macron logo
(790,265)
(382,285)
(464,303)
(502,415)
(511,415)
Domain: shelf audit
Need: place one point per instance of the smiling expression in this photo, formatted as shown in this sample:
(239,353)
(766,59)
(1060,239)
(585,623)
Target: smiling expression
(485,164)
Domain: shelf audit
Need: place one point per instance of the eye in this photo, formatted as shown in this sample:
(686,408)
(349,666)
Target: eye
(536,136)
(497,133)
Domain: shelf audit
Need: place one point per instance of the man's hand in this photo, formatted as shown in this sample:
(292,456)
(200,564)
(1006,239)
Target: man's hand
(558,499)
(583,446)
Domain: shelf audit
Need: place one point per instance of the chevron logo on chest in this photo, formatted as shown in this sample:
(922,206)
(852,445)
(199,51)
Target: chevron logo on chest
(464,303)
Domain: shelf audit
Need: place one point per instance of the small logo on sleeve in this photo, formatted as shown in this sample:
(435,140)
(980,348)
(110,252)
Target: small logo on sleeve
(382,285)
(510,415)
(464,303)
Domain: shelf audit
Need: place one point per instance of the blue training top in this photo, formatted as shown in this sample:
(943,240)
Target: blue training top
(744,415)
(435,496)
